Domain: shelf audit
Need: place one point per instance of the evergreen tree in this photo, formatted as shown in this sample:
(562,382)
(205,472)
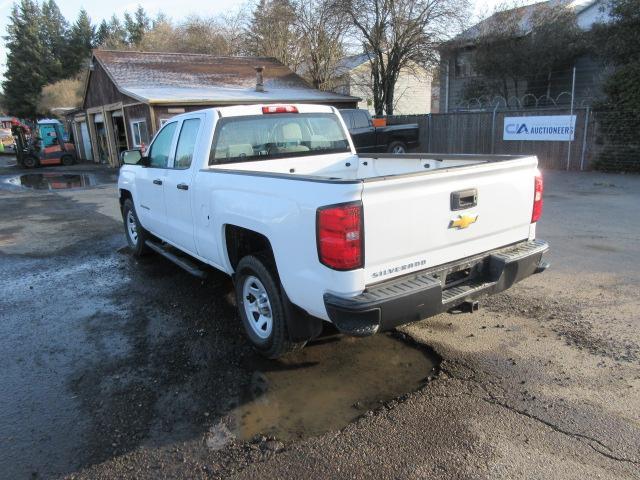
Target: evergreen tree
(53,33)
(81,38)
(102,34)
(136,26)
(619,113)
(273,32)
(117,38)
(25,74)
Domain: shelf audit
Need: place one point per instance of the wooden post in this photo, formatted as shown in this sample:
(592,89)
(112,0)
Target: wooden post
(111,142)
(93,136)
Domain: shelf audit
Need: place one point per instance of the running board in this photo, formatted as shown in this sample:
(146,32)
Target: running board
(179,259)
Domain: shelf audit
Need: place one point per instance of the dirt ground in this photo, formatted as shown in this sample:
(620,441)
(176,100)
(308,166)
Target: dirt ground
(119,368)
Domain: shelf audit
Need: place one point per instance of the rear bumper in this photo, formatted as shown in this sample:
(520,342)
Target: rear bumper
(420,295)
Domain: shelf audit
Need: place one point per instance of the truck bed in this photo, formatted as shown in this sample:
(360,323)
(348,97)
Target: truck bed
(349,168)
(408,202)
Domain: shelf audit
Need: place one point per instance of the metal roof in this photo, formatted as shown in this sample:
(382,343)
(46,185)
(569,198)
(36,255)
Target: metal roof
(194,78)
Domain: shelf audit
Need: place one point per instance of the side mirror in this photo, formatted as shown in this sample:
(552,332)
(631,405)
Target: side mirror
(132,157)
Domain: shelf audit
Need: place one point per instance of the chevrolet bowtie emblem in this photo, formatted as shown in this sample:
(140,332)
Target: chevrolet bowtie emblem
(463,221)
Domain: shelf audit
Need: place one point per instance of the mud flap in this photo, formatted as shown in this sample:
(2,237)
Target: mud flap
(301,327)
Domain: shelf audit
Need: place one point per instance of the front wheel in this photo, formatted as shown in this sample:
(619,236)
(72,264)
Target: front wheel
(261,308)
(134,231)
(68,160)
(397,147)
(30,162)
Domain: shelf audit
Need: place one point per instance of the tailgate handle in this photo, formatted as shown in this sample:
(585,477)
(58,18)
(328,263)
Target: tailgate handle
(464,199)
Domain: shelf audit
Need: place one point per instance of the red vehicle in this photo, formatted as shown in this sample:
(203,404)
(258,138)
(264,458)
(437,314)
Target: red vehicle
(47,147)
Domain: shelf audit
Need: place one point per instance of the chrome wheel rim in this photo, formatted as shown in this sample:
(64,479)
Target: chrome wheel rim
(132,228)
(257,307)
(398,149)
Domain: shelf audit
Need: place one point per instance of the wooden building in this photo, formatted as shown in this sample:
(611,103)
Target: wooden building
(129,95)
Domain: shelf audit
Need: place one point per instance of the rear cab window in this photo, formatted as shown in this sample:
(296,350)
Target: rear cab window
(265,137)
(347,116)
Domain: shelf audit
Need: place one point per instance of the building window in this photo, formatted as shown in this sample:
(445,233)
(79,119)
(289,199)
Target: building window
(140,133)
(463,67)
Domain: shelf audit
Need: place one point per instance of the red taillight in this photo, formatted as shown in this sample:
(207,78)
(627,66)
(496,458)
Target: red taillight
(537,198)
(340,236)
(279,109)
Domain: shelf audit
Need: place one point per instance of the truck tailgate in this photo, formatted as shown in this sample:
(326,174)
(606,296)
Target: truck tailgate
(415,222)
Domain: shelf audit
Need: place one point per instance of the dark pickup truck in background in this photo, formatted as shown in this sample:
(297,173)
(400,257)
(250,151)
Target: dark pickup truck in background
(367,138)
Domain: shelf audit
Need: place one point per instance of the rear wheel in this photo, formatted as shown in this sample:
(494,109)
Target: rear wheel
(134,231)
(68,160)
(261,308)
(397,147)
(30,162)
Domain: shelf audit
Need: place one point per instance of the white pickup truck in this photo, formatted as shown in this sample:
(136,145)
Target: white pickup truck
(276,197)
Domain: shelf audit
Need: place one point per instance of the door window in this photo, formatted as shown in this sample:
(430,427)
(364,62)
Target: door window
(186,143)
(161,147)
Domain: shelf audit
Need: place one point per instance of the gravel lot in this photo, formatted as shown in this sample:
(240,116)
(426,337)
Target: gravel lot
(118,368)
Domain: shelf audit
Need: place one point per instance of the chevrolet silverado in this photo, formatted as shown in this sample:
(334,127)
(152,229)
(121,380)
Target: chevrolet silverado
(276,197)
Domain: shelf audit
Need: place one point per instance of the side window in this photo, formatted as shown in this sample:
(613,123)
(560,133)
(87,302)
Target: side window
(161,147)
(186,143)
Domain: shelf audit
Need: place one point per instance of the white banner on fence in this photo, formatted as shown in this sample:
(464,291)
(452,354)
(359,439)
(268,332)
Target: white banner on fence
(559,128)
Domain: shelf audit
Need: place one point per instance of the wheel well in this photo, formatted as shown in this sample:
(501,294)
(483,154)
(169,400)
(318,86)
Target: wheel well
(124,194)
(242,241)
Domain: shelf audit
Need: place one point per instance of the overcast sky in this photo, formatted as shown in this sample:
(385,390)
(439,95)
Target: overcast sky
(101,9)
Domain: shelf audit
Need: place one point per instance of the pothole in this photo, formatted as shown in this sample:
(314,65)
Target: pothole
(327,385)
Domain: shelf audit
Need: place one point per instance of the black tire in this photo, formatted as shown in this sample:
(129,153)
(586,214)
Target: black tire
(68,160)
(137,245)
(31,162)
(397,147)
(277,343)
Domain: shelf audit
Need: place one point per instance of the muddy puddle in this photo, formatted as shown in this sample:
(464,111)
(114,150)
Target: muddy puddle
(56,181)
(325,387)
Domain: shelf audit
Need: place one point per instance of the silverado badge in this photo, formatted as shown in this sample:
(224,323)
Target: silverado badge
(463,221)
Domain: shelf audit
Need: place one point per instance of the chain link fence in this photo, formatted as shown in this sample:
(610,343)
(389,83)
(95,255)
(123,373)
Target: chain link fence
(615,139)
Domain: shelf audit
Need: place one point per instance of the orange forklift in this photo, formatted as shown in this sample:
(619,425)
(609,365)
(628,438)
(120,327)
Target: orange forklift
(45,145)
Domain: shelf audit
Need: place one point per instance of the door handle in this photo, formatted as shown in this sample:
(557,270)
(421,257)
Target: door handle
(157,182)
(464,199)
(182,186)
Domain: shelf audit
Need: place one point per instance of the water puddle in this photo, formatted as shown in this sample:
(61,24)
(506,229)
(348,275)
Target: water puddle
(327,385)
(57,181)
